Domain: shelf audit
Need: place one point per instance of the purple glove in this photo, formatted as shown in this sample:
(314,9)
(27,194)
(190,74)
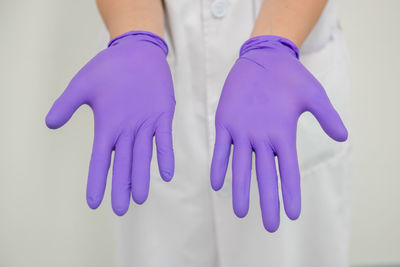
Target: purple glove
(263,97)
(129,88)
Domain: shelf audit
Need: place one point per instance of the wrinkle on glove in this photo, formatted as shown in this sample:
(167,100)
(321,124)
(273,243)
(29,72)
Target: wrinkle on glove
(262,99)
(129,88)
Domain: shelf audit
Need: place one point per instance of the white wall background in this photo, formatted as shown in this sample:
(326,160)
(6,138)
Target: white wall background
(372,30)
(44,220)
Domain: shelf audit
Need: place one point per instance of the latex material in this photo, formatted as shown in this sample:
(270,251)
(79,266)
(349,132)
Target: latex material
(262,99)
(129,88)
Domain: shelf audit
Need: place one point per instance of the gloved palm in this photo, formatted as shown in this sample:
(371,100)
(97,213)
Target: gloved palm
(129,88)
(264,95)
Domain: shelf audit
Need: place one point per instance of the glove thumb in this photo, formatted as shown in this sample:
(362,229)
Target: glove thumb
(328,117)
(64,107)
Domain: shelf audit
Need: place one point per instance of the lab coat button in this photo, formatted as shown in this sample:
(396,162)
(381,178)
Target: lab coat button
(219,8)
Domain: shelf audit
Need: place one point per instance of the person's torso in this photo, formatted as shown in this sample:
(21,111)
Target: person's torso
(204,37)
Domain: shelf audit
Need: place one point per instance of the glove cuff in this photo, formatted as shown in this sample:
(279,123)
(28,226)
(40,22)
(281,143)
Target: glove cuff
(269,41)
(143,36)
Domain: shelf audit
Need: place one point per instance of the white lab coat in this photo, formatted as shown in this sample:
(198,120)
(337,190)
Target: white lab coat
(186,224)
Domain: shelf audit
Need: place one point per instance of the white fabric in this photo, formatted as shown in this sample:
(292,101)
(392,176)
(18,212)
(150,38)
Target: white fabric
(184,223)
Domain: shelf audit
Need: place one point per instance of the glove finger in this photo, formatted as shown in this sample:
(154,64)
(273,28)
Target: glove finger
(121,182)
(142,153)
(290,178)
(241,174)
(327,116)
(220,160)
(65,106)
(165,151)
(267,180)
(98,169)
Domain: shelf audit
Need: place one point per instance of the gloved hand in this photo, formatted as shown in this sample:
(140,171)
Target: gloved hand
(264,95)
(129,88)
